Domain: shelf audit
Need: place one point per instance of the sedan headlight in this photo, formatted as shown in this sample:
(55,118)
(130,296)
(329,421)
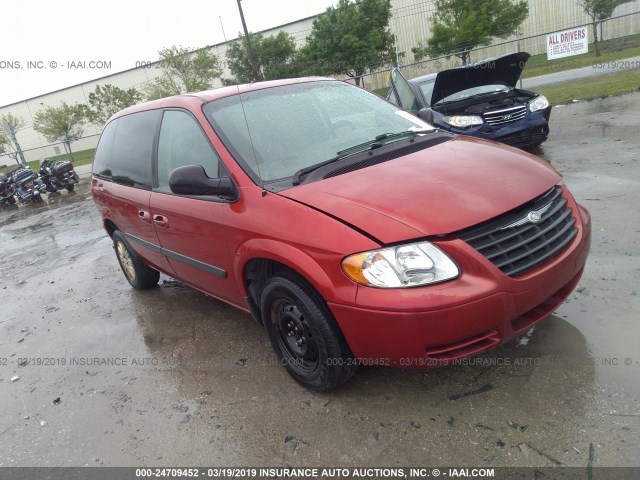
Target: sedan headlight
(539,103)
(463,121)
(407,265)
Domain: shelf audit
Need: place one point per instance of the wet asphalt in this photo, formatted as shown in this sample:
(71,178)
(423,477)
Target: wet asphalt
(192,381)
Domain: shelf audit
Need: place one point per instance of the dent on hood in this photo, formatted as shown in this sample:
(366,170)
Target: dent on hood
(436,191)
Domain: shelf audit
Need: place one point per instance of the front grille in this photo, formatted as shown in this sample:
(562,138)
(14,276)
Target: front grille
(516,245)
(506,115)
(525,139)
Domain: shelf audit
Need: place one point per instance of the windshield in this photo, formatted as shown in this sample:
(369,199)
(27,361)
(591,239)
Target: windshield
(474,92)
(295,126)
(427,89)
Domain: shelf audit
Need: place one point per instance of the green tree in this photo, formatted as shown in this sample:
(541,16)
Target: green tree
(107,100)
(183,71)
(10,123)
(5,145)
(276,57)
(459,26)
(61,124)
(350,38)
(598,11)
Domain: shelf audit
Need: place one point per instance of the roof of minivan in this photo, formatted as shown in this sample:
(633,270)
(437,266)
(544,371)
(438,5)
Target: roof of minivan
(209,95)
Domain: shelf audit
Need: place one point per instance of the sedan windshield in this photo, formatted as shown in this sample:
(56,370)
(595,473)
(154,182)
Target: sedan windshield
(275,132)
(474,92)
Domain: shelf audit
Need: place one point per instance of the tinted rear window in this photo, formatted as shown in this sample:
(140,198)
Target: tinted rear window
(102,160)
(129,162)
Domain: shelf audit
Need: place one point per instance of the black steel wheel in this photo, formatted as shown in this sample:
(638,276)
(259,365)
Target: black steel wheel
(137,273)
(304,334)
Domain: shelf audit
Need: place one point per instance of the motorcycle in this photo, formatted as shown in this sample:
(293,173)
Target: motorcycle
(6,191)
(58,175)
(27,185)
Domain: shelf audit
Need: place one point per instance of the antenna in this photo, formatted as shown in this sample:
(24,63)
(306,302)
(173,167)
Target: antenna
(222,26)
(252,60)
(253,148)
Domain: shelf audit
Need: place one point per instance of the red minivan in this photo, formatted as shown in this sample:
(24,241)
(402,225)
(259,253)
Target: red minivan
(353,230)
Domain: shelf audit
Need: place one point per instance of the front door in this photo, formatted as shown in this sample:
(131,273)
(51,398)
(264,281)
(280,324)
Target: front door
(190,229)
(403,93)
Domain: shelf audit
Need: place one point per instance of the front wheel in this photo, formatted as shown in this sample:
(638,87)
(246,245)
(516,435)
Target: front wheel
(138,274)
(304,334)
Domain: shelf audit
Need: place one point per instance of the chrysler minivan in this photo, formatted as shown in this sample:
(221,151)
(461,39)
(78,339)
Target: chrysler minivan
(355,232)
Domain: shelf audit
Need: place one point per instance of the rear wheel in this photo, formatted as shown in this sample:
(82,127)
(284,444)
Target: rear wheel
(304,334)
(70,187)
(11,200)
(139,275)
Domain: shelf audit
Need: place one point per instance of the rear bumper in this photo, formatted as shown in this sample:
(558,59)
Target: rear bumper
(431,326)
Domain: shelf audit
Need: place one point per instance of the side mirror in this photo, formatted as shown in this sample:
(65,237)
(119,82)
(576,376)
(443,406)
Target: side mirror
(193,180)
(426,114)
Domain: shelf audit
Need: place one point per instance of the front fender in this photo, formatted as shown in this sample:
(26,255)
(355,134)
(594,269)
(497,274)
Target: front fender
(332,284)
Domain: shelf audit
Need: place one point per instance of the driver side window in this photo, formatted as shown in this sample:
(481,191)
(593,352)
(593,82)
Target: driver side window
(182,142)
(406,97)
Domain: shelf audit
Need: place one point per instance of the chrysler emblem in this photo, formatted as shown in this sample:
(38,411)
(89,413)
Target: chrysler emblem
(534,217)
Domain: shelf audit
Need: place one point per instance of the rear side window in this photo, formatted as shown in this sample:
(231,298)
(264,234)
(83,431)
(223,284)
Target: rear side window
(182,142)
(131,155)
(102,160)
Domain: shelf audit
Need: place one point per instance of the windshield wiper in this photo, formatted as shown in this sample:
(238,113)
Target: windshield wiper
(377,142)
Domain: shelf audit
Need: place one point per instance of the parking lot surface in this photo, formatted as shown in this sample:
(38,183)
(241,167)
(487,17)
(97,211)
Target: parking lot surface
(95,373)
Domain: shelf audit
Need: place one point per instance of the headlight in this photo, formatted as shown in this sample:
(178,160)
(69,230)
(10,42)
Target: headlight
(463,121)
(539,103)
(408,265)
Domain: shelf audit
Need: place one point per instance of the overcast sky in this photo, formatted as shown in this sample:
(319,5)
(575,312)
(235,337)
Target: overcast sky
(52,33)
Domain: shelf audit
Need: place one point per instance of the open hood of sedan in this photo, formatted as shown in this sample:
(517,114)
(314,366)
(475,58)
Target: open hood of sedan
(436,191)
(505,70)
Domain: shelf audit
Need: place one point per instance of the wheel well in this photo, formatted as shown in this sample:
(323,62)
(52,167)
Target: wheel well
(110,227)
(256,273)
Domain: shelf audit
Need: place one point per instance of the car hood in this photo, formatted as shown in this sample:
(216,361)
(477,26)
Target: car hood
(505,70)
(436,191)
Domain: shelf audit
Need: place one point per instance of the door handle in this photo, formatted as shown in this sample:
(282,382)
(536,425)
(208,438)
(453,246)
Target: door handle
(160,220)
(144,216)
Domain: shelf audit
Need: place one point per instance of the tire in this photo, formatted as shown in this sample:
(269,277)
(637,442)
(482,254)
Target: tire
(304,334)
(139,275)
(70,187)
(11,200)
